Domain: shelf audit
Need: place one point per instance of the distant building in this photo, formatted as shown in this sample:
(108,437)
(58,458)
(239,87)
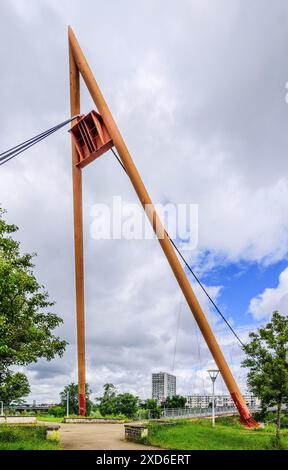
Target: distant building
(203,401)
(33,406)
(163,386)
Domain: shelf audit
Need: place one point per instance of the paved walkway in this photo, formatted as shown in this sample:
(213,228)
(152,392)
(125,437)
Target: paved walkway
(96,437)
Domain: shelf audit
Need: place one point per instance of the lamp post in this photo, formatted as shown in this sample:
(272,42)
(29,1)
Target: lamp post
(213,373)
(67,404)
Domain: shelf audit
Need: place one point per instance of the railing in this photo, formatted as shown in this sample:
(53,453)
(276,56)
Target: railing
(200,412)
(28,407)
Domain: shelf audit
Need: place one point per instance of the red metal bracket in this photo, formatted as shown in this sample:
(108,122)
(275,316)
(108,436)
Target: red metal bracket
(91,138)
(245,416)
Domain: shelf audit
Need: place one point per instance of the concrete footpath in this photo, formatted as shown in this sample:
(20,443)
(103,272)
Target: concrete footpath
(97,437)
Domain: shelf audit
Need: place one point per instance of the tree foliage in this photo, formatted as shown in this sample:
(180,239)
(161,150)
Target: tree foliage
(26,327)
(176,401)
(126,404)
(152,406)
(58,411)
(112,403)
(107,401)
(14,388)
(109,390)
(267,359)
(73,398)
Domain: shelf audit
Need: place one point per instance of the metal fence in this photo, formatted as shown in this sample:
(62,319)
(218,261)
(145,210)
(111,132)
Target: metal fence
(199,412)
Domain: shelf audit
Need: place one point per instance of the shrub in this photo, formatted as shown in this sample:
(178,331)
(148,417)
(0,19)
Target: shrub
(12,433)
(116,416)
(57,411)
(270,417)
(275,443)
(284,421)
(8,435)
(142,413)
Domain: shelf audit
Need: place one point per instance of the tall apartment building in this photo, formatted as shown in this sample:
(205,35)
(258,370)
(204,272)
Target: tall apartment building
(163,386)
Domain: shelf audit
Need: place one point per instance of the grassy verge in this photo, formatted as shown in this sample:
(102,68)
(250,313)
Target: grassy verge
(228,434)
(49,418)
(14,437)
(60,419)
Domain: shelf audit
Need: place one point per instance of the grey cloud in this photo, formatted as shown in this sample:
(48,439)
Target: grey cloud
(199,92)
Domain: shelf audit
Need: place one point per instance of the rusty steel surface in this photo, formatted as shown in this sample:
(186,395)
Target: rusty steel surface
(78,240)
(165,243)
(91,138)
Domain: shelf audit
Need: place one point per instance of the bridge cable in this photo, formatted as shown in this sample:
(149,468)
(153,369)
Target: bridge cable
(20,148)
(176,336)
(191,271)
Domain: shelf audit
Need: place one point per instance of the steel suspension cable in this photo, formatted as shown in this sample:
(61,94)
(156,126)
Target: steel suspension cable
(29,140)
(205,291)
(18,149)
(21,149)
(191,271)
(176,336)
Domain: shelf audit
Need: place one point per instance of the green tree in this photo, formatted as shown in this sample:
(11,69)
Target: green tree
(14,388)
(107,406)
(57,410)
(109,390)
(117,403)
(266,357)
(177,401)
(152,406)
(126,404)
(26,328)
(73,398)
(108,401)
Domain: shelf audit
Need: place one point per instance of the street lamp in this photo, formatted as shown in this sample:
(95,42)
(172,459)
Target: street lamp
(213,373)
(67,404)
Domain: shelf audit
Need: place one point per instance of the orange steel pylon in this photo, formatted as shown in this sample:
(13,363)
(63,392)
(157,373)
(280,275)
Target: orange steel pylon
(89,140)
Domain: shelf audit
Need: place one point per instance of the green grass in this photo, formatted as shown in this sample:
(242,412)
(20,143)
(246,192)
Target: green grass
(49,418)
(93,415)
(228,434)
(16,437)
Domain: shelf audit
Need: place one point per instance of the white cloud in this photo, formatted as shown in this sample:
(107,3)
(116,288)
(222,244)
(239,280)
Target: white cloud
(271,299)
(199,93)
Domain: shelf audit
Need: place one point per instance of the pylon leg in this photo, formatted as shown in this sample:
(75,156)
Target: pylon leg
(78,241)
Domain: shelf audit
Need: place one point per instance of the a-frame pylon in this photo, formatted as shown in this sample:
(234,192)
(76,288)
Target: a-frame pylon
(79,65)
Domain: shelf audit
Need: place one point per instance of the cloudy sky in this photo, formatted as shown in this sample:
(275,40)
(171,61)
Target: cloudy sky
(199,92)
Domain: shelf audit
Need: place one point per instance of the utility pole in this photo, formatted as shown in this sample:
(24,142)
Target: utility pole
(213,373)
(67,404)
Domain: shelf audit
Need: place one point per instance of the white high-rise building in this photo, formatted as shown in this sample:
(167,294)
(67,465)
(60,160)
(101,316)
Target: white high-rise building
(163,386)
(203,401)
